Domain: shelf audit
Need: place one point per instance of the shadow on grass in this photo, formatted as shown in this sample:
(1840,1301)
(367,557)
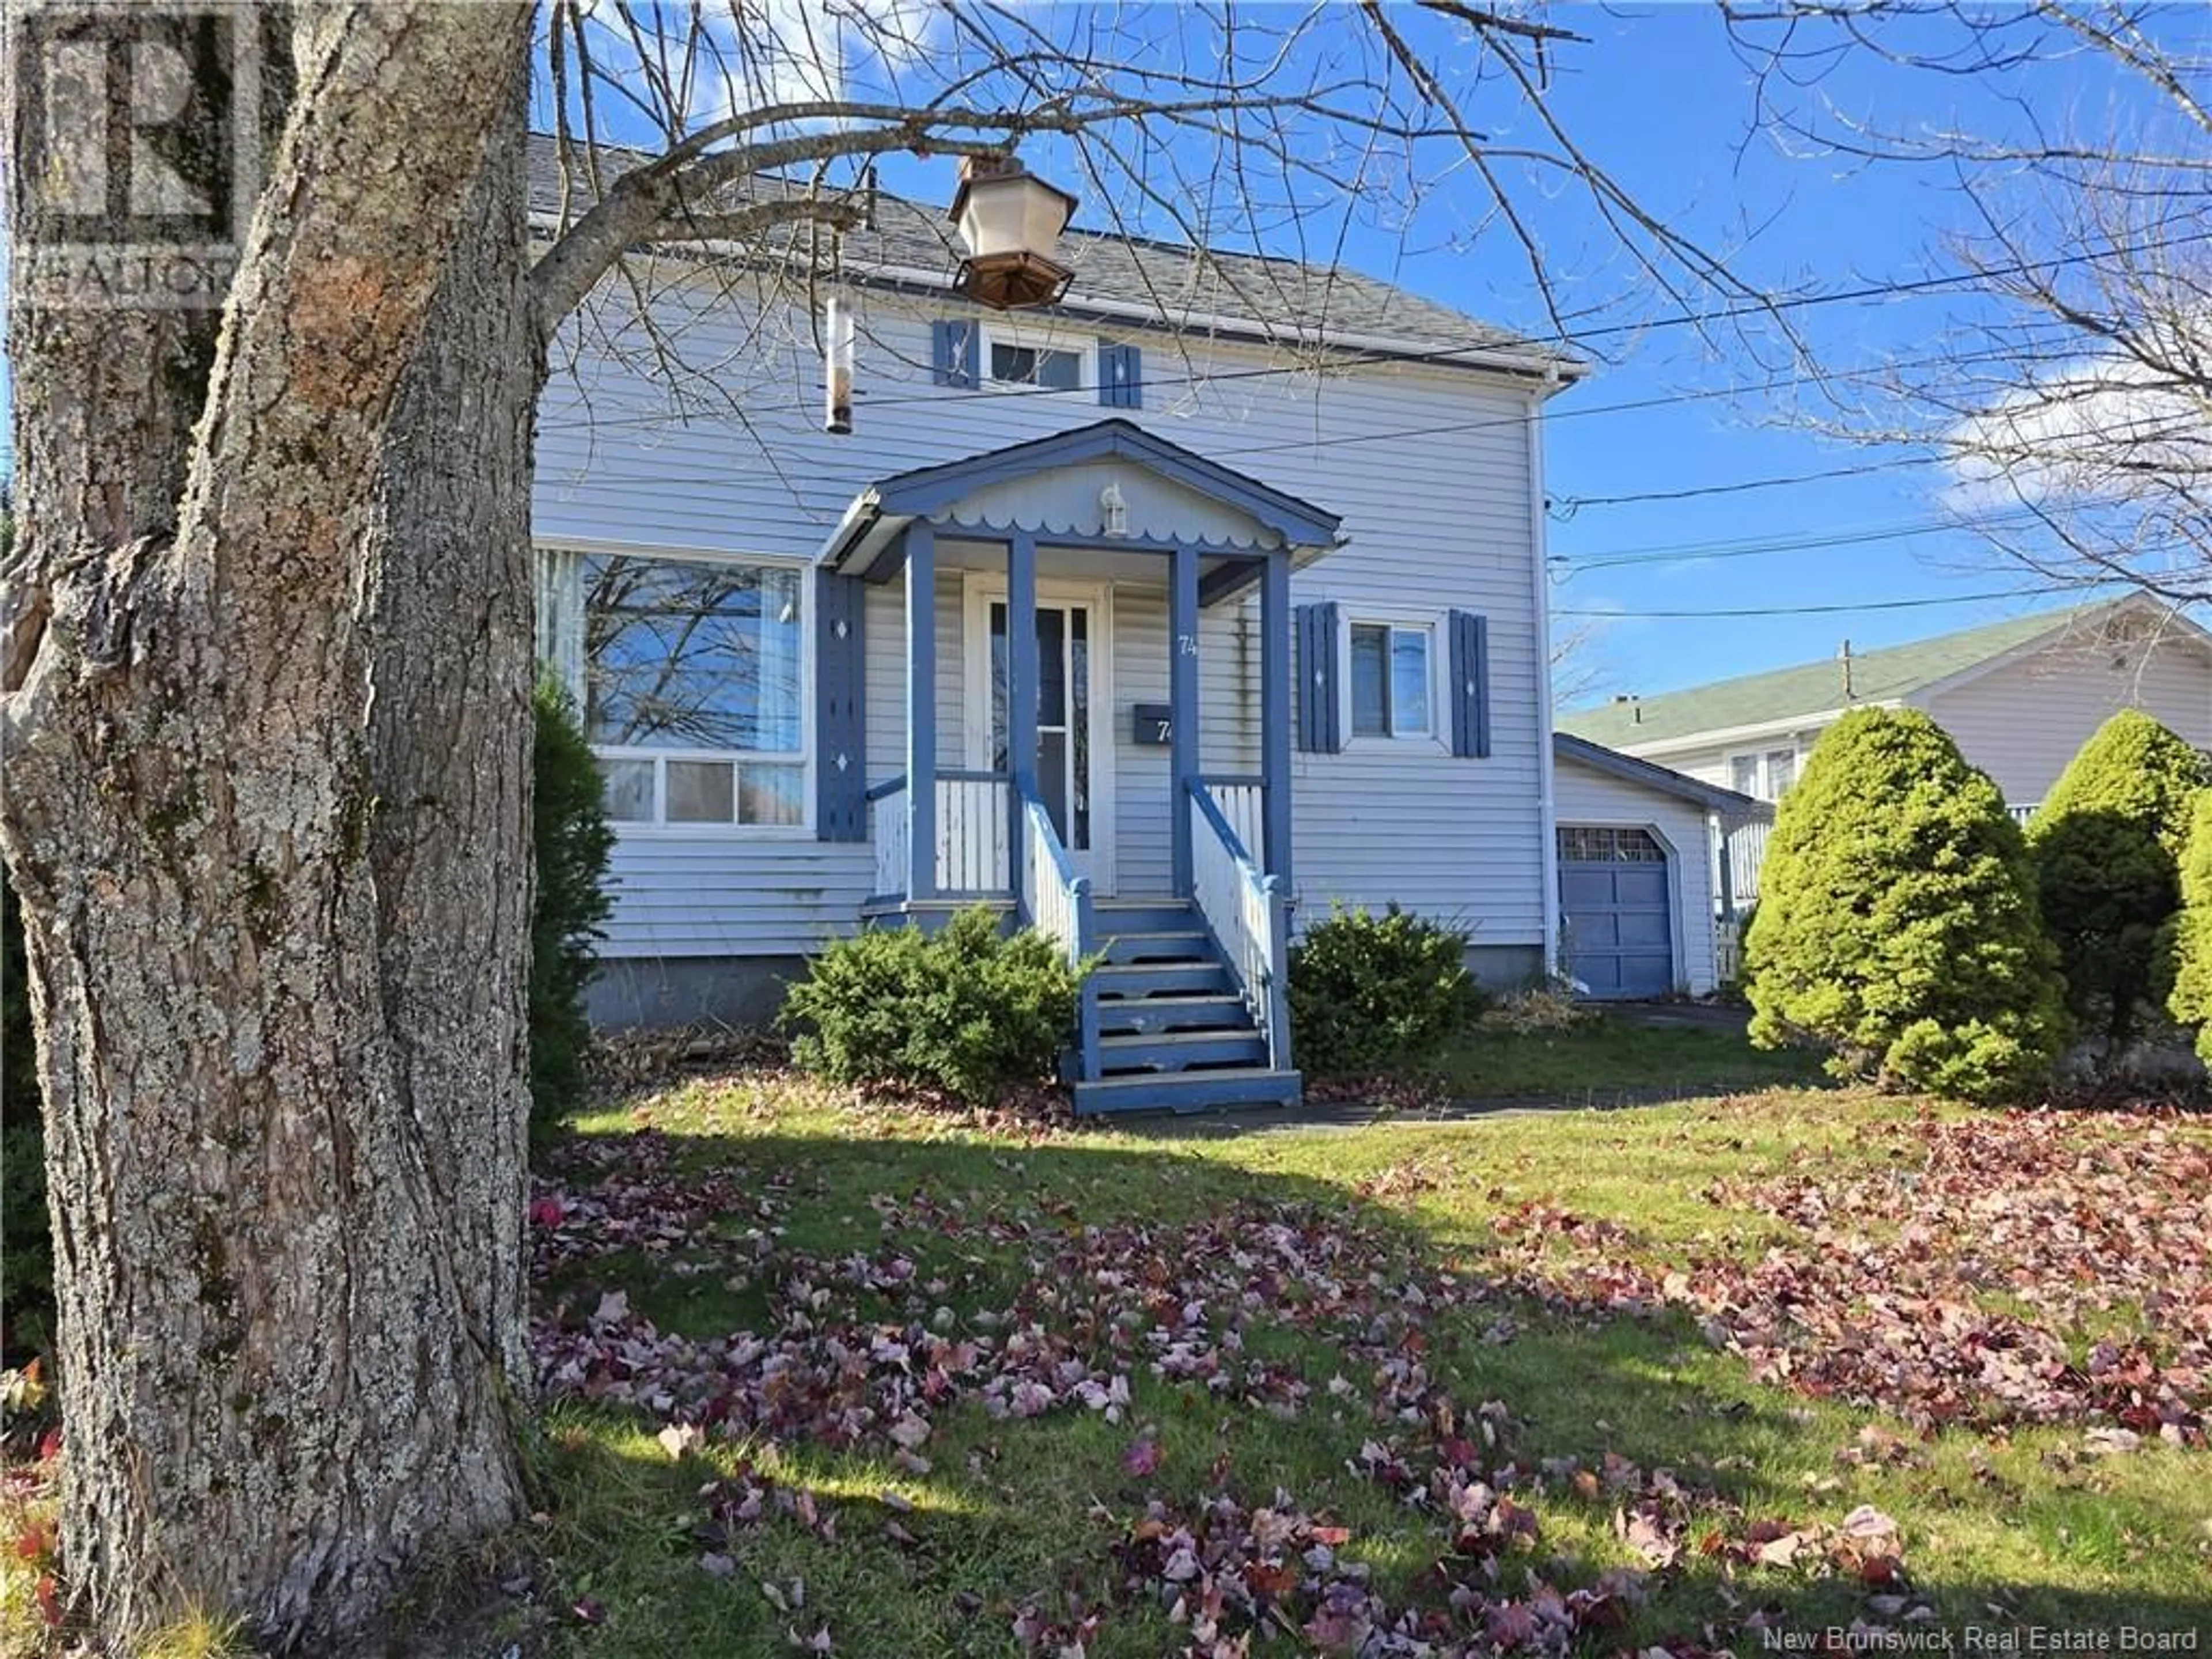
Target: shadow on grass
(1013,1513)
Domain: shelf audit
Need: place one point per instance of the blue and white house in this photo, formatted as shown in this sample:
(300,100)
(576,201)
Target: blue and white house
(1164,619)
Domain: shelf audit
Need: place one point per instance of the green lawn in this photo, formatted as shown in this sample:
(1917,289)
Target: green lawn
(902,1341)
(1613,1058)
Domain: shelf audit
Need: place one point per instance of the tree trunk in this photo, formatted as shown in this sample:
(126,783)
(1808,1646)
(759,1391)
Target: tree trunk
(267,807)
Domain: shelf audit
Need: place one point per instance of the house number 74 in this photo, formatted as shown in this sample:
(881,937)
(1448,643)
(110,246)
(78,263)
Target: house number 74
(1186,644)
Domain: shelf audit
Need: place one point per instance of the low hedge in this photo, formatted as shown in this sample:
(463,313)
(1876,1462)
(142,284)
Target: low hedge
(966,1010)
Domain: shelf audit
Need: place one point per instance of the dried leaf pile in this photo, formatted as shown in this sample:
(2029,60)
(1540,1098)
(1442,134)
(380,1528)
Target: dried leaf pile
(873,1350)
(2026,1267)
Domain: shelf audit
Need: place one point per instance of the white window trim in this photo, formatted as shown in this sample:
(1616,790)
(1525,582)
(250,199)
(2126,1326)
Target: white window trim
(1436,737)
(804,757)
(1758,756)
(1032,337)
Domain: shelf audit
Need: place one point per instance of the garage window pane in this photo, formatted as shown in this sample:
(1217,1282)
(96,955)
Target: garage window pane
(1598,844)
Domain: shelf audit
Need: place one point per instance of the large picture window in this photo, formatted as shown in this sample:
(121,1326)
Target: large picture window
(692,684)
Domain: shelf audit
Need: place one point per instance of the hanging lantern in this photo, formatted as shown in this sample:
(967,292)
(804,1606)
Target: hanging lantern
(838,345)
(1012,223)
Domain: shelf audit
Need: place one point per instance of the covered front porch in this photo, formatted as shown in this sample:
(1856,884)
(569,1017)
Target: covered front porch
(1095,632)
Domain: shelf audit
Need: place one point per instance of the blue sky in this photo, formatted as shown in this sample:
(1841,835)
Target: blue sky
(1659,96)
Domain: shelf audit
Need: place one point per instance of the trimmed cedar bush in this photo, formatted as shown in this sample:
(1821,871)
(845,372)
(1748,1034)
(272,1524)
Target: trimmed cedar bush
(2107,843)
(966,1009)
(2190,1001)
(571,842)
(27,1254)
(1897,923)
(1372,994)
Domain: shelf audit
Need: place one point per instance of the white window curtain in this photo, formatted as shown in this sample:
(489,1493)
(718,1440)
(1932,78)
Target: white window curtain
(560,618)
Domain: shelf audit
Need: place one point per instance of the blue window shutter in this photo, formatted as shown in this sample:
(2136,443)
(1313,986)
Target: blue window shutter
(1121,376)
(1470,685)
(1315,629)
(956,352)
(841,785)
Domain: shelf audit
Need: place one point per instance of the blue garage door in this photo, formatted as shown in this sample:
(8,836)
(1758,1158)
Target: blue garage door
(1617,911)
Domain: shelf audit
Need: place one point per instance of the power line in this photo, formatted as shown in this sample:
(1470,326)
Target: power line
(1679,552)
(1574,504)
(1818,609)
(1862,295)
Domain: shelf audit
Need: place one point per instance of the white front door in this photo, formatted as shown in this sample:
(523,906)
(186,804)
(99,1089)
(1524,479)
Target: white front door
(1074,759)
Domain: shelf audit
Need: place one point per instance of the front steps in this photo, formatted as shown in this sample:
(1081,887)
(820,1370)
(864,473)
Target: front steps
(1171,1033)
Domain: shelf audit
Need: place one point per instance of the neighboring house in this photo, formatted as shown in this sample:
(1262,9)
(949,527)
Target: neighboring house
(1167,638)
(1645,909)
(2019,697)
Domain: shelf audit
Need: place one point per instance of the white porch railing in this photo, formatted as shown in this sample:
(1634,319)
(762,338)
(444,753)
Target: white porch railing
(972,833)
(889,826)
(1249,916)
(1054,899)
(2020,815)
(1243,804)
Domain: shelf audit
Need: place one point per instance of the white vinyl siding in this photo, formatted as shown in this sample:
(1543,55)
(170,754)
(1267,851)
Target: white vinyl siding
(1428,465)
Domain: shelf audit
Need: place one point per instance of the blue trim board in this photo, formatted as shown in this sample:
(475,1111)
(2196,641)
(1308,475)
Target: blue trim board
(1319,721)
(1470,684)
(1276,717)
(1022,683)
(927,489)
(1120,375)
(921,709)
(840,710)
(956,352)
(1183,705)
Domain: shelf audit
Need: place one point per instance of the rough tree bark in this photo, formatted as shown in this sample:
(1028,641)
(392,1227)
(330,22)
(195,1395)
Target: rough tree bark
(284,1138)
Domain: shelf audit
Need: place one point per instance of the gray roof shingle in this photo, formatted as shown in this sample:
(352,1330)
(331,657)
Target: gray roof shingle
(1268,297)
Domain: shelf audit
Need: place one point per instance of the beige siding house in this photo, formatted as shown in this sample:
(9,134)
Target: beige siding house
(2019,696)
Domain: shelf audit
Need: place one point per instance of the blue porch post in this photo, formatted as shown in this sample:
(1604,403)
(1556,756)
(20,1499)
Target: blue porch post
(1021,695)
(922,710)
(1275,714)
(1182,703)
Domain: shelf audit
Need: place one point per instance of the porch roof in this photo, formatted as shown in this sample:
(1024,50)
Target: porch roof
(1283,522)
